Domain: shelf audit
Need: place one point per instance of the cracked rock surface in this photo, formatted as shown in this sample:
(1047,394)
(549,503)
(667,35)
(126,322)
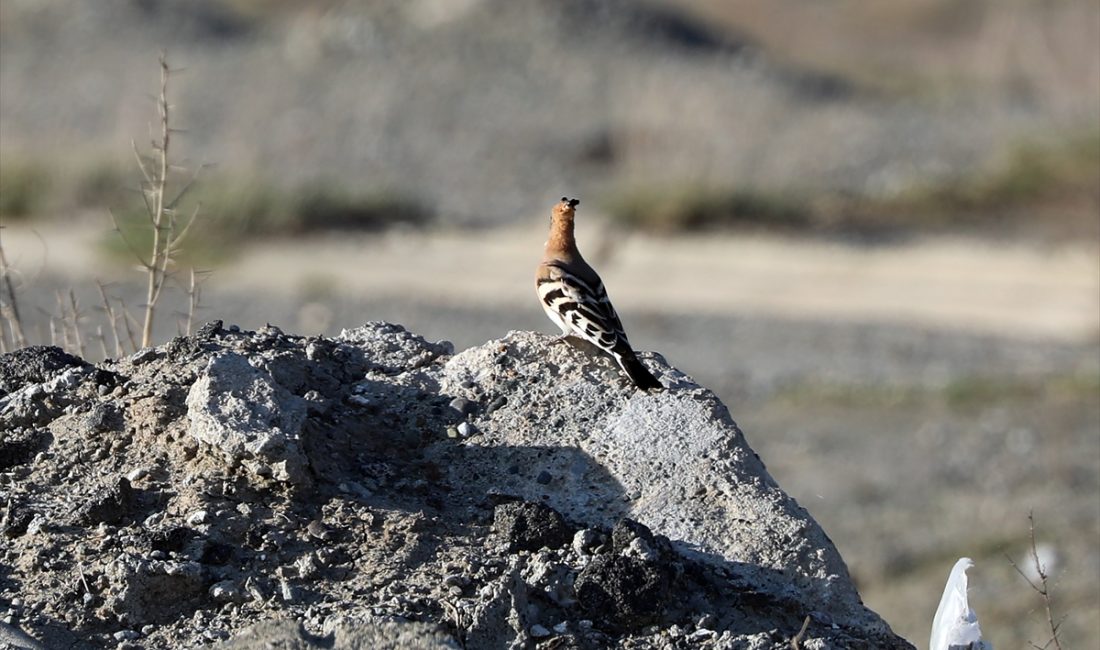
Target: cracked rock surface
(376,490)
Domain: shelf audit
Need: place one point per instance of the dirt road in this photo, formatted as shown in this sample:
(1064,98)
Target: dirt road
(1005,289)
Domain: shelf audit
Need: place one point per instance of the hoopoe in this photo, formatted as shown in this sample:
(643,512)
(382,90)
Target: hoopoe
(573,296)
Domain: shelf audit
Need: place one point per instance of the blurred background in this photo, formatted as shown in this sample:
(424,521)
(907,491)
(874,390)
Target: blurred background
(872,228)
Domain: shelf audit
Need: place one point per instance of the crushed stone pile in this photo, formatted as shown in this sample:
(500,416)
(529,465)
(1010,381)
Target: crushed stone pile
(375,490)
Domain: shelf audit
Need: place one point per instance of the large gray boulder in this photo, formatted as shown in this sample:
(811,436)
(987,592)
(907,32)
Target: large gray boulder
(377,488)
(673,460)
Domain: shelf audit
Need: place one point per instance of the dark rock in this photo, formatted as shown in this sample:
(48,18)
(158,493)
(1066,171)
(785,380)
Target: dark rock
(209,330)
(215,553)
(529,526)
(169,540)
(17,448)
(143,356)
(623,592)
(463,406)
(626,531)
(543,478)
(15,521)
(183,347)
(107,506)
(105,416)
(33,365)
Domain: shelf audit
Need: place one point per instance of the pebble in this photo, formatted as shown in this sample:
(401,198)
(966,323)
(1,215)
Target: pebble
(225,591)
(126,635)
(197,518)
(103,389)
(539,632)
(562,628)
(318,530)
(456,580)
(543,478)
(462,405)
(137,474)
(452,432)
(287,591)
(465,429)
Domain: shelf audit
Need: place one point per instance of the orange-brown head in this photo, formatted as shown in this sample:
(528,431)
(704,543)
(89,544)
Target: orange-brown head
(565,209)
(561,227)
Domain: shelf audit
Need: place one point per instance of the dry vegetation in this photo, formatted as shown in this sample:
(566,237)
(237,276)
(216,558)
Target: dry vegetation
(1033,188)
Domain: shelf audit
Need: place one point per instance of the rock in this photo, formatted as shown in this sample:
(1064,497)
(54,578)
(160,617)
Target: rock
(373,509)
(391,349)
(353,634)
(209,330)
(624,591)
(226,591)
(661,450)
(18,447)
(143,356)
(585,541)
(151,591)
(528,526)
(462,406)
(107,506)
(137,474)
(243,412)
(35,364)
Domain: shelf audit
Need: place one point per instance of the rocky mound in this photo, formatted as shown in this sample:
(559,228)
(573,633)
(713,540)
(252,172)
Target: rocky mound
(376,490)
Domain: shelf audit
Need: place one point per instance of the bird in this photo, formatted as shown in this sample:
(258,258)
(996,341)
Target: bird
(574,298)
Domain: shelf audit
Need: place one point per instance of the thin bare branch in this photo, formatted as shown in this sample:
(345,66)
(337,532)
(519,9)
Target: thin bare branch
(127,318)
(15,322)
(141,162)
(76,314)
(111,318)
(126,240)
(178,240)
(1042,587)
(102,341)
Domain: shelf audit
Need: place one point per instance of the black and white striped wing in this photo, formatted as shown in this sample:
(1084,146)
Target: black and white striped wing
(584,308)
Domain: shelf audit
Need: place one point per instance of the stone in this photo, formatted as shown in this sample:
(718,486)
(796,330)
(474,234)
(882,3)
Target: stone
(108,506)
(242,411)
(529,526)
(625,592)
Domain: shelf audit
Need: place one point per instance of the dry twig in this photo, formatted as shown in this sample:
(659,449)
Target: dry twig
(168,232)
(1042,588)
(112,318)
(10,307)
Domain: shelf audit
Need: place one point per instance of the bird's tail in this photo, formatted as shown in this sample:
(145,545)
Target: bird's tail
(638,373)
